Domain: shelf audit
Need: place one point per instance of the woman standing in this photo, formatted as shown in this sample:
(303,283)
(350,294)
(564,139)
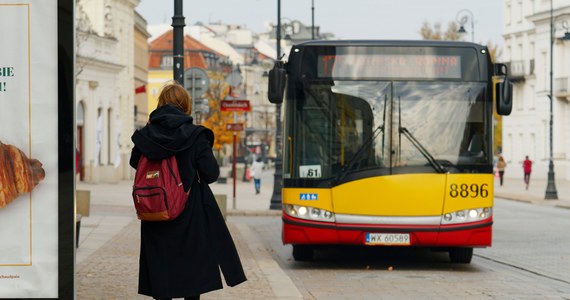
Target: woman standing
(501,165)
(182,258)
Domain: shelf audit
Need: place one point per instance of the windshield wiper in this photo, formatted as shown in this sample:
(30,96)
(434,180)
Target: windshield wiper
(434,163)
(403,130)
(356,155)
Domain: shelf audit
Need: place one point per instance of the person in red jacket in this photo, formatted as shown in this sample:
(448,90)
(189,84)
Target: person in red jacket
(527,168)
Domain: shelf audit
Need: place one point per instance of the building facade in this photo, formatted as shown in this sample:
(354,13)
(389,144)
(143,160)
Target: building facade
(104,88)
(527,52)
(160,63)
(141,71)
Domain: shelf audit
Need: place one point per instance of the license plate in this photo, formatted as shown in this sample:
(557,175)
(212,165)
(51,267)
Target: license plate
(399,239)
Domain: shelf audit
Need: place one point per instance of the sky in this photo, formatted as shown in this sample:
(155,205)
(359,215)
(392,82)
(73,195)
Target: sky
(346,19)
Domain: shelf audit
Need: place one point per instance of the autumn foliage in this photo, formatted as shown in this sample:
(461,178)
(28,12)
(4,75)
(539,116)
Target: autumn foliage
(216,120)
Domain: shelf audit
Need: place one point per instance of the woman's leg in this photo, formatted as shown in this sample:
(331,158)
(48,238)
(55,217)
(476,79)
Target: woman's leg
(501,173)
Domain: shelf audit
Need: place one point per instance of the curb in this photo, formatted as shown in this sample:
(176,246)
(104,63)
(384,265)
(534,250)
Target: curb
(533,200)
(254,213)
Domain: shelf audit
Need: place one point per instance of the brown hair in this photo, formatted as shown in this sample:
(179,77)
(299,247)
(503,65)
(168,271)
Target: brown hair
(175,94)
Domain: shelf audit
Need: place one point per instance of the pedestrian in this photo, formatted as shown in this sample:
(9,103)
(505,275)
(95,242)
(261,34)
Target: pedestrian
(256,169)
(527,168)
(182,258)
(501,165)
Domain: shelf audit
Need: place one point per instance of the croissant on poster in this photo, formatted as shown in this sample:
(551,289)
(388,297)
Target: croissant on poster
(18,173)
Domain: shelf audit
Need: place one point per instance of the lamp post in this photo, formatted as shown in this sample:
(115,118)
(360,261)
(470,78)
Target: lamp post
(178,43)
(462,17)
(312,19)
(551,192)
(276,196)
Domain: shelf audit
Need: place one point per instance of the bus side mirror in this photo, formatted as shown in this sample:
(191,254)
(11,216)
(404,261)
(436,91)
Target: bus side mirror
(276,84)
(503,91)
(504,97)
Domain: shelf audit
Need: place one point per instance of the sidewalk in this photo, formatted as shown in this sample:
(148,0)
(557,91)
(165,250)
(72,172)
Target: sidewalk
(107,256)
(514,189)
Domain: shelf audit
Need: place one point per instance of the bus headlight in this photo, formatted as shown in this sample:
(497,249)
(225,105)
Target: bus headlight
(309,213)
(466,215)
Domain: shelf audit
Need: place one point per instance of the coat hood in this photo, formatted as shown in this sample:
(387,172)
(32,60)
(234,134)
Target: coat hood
(168,132)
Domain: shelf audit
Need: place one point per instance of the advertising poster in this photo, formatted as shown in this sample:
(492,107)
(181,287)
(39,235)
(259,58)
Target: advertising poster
(28,149)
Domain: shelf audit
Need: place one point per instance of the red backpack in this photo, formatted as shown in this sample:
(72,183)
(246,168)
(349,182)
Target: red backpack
(158,191)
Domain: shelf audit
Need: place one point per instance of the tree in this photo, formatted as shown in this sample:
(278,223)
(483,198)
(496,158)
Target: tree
(429,32)
(216,120)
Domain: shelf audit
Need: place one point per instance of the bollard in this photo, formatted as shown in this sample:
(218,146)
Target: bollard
(83,202)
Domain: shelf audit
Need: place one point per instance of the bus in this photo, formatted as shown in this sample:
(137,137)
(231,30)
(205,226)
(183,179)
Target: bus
(388,143)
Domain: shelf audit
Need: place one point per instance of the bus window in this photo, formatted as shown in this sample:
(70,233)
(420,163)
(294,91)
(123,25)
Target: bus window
(451,128)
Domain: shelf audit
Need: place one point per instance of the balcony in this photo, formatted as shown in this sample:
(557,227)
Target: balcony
(516,70)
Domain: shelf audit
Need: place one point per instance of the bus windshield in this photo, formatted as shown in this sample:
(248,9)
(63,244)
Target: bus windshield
(386,127)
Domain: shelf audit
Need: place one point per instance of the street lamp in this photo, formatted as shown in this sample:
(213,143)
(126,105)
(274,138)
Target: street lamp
(178,41)
(275,202)
(551,193)
(312,19)
(462,17)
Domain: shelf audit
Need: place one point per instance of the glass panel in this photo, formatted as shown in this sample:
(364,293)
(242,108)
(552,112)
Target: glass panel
(446,119)
(353,126)
(364,109)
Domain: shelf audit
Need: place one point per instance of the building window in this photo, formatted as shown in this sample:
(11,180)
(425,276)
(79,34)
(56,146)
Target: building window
(109,136)
(166,61)
(99,136)
(519,97)
(545,140)
(545,70)
(520,11)
(511,147)
(508,14)
(533,146)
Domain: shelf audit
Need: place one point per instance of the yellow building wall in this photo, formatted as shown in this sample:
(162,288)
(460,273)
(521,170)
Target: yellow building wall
(156,80)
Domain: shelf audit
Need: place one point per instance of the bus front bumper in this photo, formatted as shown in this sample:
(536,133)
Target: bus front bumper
(304,232)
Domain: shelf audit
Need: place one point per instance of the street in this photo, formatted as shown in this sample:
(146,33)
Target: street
(529,258)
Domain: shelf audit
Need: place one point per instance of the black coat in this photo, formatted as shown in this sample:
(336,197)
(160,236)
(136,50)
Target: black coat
(180,258)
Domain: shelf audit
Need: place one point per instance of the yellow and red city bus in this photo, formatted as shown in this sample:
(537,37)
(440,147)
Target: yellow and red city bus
(388,143)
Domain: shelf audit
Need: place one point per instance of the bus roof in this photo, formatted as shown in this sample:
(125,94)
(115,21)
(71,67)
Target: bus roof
(420,43)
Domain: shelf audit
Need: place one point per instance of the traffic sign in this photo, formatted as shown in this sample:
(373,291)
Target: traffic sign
(235,105)
(234,126)
(196,81)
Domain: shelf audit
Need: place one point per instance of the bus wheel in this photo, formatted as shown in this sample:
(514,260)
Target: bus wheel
(461,255)
(302,252)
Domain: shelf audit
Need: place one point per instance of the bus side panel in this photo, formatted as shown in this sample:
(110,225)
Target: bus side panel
(397,195)
(296,233)
(465,191)
(476,237)
(319,198)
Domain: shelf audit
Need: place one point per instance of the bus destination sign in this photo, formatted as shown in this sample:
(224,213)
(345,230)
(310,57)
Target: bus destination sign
(390,66)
